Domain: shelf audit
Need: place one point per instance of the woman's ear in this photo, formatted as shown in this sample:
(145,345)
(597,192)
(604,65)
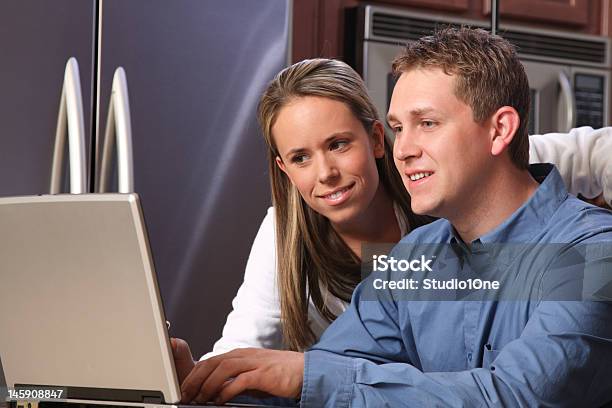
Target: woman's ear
(378,136)
(504,124)
(280,164)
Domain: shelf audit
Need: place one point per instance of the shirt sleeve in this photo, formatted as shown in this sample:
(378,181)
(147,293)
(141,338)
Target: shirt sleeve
(582,157)
(255,318)
(558,360)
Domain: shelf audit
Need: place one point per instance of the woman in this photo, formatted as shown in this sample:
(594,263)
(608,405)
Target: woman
(335,187)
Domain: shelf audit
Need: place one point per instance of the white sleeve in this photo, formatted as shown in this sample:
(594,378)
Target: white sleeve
(582,156)
(255,318)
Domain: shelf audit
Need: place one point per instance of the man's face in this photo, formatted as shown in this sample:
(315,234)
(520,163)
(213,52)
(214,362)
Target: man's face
(441,153)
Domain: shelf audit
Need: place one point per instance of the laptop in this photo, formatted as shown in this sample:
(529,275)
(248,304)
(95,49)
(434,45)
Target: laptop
(80,307)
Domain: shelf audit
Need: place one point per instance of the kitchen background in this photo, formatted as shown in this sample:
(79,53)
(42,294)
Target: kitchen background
(195,70)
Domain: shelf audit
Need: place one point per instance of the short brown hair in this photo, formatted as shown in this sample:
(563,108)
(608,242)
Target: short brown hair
(489,75)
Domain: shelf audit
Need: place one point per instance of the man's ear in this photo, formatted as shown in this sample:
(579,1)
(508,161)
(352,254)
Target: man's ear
(504,124)
(378,136)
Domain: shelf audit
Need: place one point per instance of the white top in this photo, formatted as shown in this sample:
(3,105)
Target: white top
(582,157)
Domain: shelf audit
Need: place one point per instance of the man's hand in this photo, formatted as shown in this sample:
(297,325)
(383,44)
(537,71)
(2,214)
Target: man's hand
(222,377)
(183,360)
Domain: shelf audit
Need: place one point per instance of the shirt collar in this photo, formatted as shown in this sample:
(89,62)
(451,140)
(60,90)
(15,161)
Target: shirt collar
(534,214)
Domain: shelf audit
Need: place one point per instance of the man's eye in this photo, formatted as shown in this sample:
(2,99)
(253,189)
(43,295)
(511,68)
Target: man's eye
(428,124)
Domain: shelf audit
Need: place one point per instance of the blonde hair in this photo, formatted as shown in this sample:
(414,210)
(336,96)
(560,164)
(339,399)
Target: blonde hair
(311,256)
(489,75)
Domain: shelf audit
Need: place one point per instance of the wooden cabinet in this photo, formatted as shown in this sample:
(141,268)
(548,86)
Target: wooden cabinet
(432,4)
(319,25)
(559,11)
(584,16)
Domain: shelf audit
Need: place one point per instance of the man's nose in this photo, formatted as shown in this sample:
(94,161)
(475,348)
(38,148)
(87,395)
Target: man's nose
(406,147)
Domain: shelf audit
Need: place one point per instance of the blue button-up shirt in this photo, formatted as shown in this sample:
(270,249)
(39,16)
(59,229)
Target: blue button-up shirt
(532,352)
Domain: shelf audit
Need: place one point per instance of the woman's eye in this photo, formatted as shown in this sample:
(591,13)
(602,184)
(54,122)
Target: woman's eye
(338,144)
(397,129)
(299,158)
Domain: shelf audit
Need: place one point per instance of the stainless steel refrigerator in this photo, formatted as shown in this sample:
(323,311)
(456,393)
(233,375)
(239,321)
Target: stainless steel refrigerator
(195,70)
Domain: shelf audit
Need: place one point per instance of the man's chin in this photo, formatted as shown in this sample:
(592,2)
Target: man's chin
(424,209)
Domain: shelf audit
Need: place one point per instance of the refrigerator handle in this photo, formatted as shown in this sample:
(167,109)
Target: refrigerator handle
(568,95)
(119,128)
(70,122)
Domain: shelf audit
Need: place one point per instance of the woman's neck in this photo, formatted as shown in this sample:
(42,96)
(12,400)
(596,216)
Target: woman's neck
(378,224)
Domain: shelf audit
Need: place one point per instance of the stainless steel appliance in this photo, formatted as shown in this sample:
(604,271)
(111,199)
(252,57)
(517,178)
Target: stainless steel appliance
(195,71)
(569,74)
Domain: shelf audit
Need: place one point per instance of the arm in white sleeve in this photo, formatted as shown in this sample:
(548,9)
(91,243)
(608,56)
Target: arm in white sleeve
(255,318)
(582,156)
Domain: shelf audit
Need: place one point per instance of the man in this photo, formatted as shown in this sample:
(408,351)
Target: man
(459,113)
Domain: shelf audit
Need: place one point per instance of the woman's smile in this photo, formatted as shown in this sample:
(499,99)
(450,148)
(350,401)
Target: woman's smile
(338,196)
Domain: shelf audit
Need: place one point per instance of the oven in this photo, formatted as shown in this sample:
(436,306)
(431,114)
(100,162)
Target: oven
(568,74)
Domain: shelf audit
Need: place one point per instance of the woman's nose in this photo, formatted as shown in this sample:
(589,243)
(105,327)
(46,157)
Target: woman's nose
(327,170)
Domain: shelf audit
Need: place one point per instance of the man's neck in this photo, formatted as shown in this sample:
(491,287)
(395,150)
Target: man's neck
(504,193)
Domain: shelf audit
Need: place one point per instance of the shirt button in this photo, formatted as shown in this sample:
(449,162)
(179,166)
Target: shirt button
(469,356)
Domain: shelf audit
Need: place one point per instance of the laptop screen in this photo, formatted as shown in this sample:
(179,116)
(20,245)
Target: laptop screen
(79,302)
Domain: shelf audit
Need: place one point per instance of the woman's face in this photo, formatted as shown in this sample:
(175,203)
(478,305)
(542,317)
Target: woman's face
(329,157)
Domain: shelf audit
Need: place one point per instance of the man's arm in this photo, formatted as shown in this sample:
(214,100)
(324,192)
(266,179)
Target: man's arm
(369,356)
(280,373)
(557,360)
